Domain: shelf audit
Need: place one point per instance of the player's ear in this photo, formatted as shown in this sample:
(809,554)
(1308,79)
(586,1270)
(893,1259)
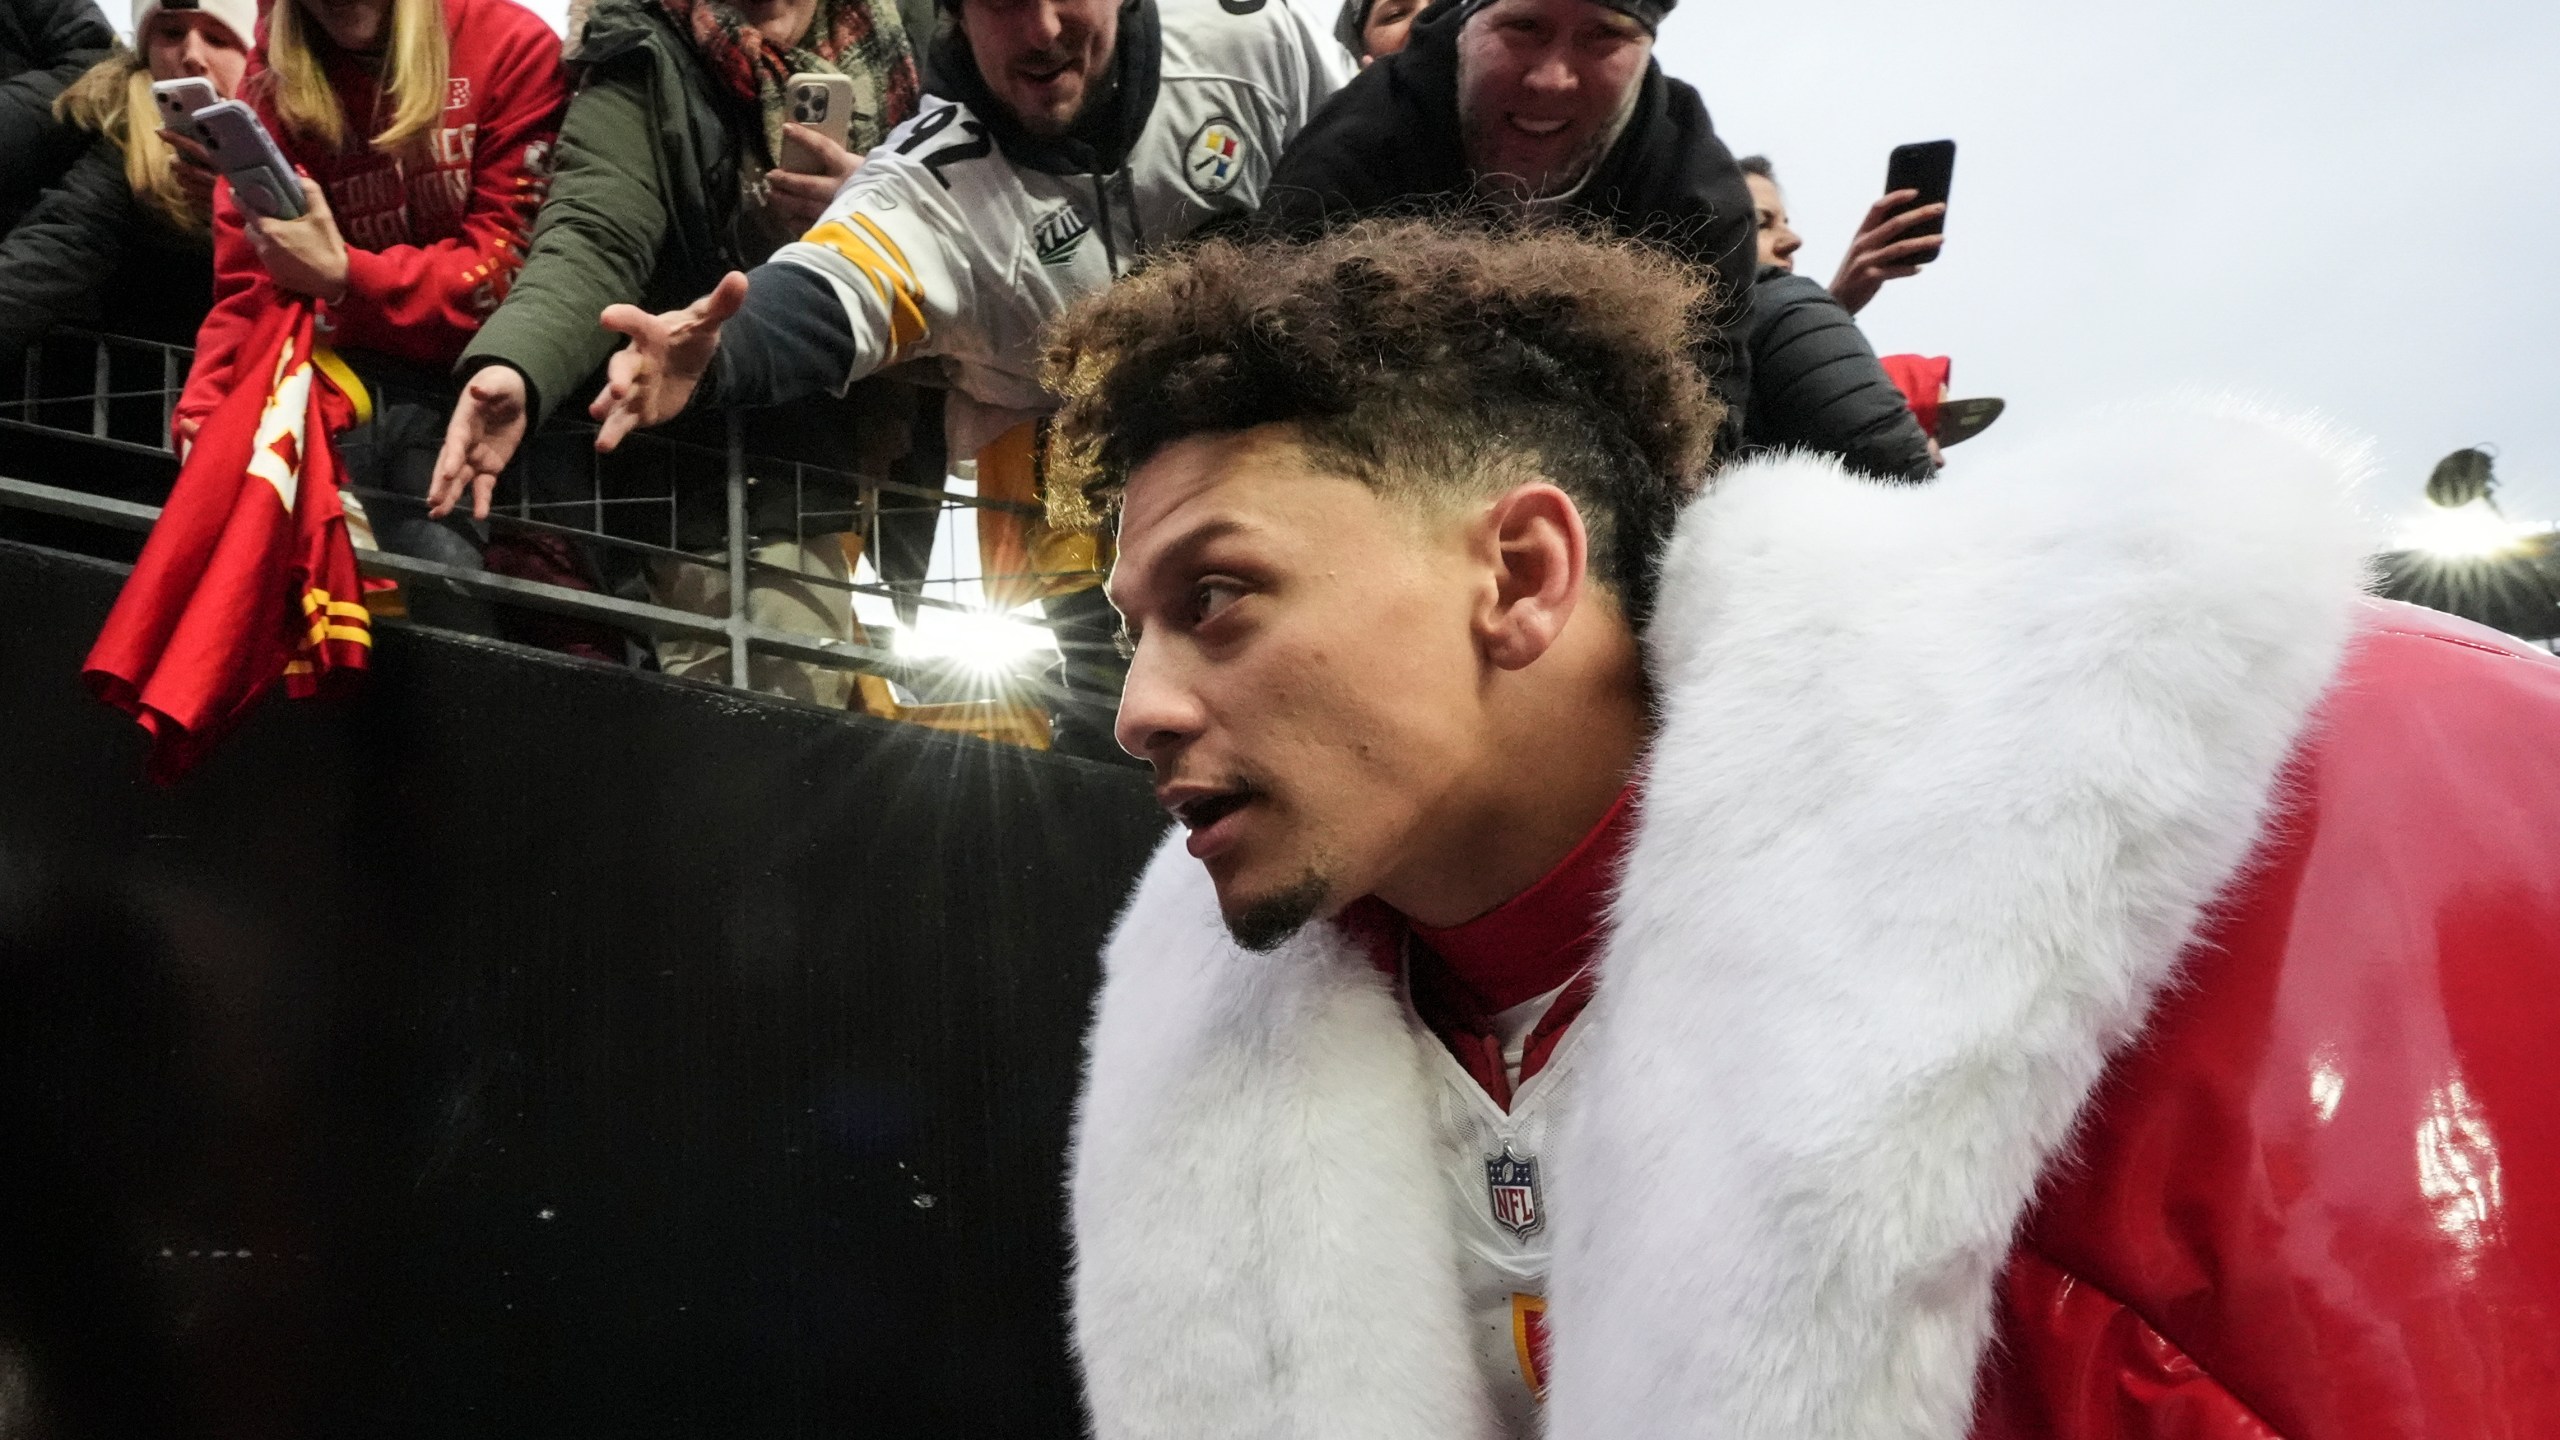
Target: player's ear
(1533,540)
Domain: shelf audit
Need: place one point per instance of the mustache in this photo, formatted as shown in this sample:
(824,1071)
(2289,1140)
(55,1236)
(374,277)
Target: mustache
(1233,782)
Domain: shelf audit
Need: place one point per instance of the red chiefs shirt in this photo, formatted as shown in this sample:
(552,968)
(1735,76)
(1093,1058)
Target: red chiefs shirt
(436,233)
(248,577)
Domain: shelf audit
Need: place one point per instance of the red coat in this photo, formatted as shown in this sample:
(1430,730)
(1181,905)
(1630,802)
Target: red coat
(2321,1198)
(433,238)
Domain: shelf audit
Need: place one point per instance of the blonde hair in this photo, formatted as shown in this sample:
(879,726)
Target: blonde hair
(413,77)
(104,100)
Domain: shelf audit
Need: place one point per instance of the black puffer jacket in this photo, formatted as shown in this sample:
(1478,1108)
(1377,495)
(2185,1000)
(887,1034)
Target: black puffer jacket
(1815,384)
(88,253)
(44,45)
(1388,144)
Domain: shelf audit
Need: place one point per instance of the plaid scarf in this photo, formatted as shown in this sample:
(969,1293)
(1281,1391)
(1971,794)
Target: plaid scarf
(846,37)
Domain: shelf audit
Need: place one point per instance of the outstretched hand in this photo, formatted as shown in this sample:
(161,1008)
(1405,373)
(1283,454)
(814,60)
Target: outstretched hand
(652,379)
(487,426)
(1879,253)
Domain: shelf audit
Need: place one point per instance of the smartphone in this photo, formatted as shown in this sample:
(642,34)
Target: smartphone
(247,157)
(178,102)
(1928,166)
(824,103)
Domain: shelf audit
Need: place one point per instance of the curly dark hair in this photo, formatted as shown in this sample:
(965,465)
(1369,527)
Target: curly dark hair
(1411,355)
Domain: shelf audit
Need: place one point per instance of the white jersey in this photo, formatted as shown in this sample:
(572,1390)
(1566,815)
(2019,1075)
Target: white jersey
(1497,1197)
(941,248)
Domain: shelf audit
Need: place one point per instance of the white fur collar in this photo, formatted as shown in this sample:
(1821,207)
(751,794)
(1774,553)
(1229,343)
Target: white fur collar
(1945,776)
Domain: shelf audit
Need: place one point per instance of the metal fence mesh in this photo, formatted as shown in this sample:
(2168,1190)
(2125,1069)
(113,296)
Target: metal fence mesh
(927,632)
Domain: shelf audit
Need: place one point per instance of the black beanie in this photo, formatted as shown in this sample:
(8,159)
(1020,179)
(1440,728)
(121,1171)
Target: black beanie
(1351,25)
(1648,13)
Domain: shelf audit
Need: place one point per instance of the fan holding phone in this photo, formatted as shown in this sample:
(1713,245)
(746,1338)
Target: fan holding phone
(816,158)
(386,164)
(1905,228)
(119,240)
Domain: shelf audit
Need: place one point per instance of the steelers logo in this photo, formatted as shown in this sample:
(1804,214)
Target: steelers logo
(1215,156)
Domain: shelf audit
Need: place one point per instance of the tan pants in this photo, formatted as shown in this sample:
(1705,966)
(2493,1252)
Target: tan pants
(776,601)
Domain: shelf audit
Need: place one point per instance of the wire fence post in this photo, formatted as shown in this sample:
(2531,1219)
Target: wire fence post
(738,540)
(168,393)
(867,523)
(98,393)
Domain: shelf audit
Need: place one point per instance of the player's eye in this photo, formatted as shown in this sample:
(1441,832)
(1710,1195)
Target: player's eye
(1210,598)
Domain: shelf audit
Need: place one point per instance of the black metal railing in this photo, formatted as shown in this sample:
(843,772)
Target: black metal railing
(924,631)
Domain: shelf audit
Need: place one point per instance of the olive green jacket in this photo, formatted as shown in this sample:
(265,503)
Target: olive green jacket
(646,208)
(645,205)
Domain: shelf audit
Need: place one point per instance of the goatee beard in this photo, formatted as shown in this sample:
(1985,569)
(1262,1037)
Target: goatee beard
(1267,922)
(1501,186)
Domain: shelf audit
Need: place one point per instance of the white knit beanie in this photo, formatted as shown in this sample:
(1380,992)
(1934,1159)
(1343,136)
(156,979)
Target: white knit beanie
(239,16)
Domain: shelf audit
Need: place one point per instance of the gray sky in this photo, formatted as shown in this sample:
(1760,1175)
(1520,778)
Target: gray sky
(2349,207)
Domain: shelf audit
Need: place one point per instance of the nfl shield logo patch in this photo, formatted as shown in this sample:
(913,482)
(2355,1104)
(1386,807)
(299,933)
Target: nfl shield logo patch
(1511,1183)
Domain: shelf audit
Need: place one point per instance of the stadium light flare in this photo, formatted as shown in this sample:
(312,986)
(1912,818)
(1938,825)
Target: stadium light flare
(982,640)
(2475,531)
(2462,555)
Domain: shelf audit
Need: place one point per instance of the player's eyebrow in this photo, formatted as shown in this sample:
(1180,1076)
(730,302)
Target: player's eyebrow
(1174,556)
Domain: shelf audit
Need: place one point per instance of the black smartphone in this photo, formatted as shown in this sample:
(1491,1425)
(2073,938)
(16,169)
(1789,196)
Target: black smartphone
(1928,166)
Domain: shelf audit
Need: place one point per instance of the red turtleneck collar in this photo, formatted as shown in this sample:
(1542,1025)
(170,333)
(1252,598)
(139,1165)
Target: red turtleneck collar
(1536,940)
(1541,939)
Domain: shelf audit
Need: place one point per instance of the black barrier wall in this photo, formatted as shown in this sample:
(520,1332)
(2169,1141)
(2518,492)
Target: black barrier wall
(529,1049)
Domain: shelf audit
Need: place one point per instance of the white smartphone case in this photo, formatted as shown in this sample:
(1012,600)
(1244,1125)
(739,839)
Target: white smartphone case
(179,100)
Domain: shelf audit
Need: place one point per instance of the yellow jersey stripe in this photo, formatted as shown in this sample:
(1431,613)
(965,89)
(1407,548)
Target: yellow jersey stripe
(887,246)
(315,599)
(897,287)
(322,631)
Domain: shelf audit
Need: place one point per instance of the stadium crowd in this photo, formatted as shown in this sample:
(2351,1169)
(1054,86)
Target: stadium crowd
(644,224)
